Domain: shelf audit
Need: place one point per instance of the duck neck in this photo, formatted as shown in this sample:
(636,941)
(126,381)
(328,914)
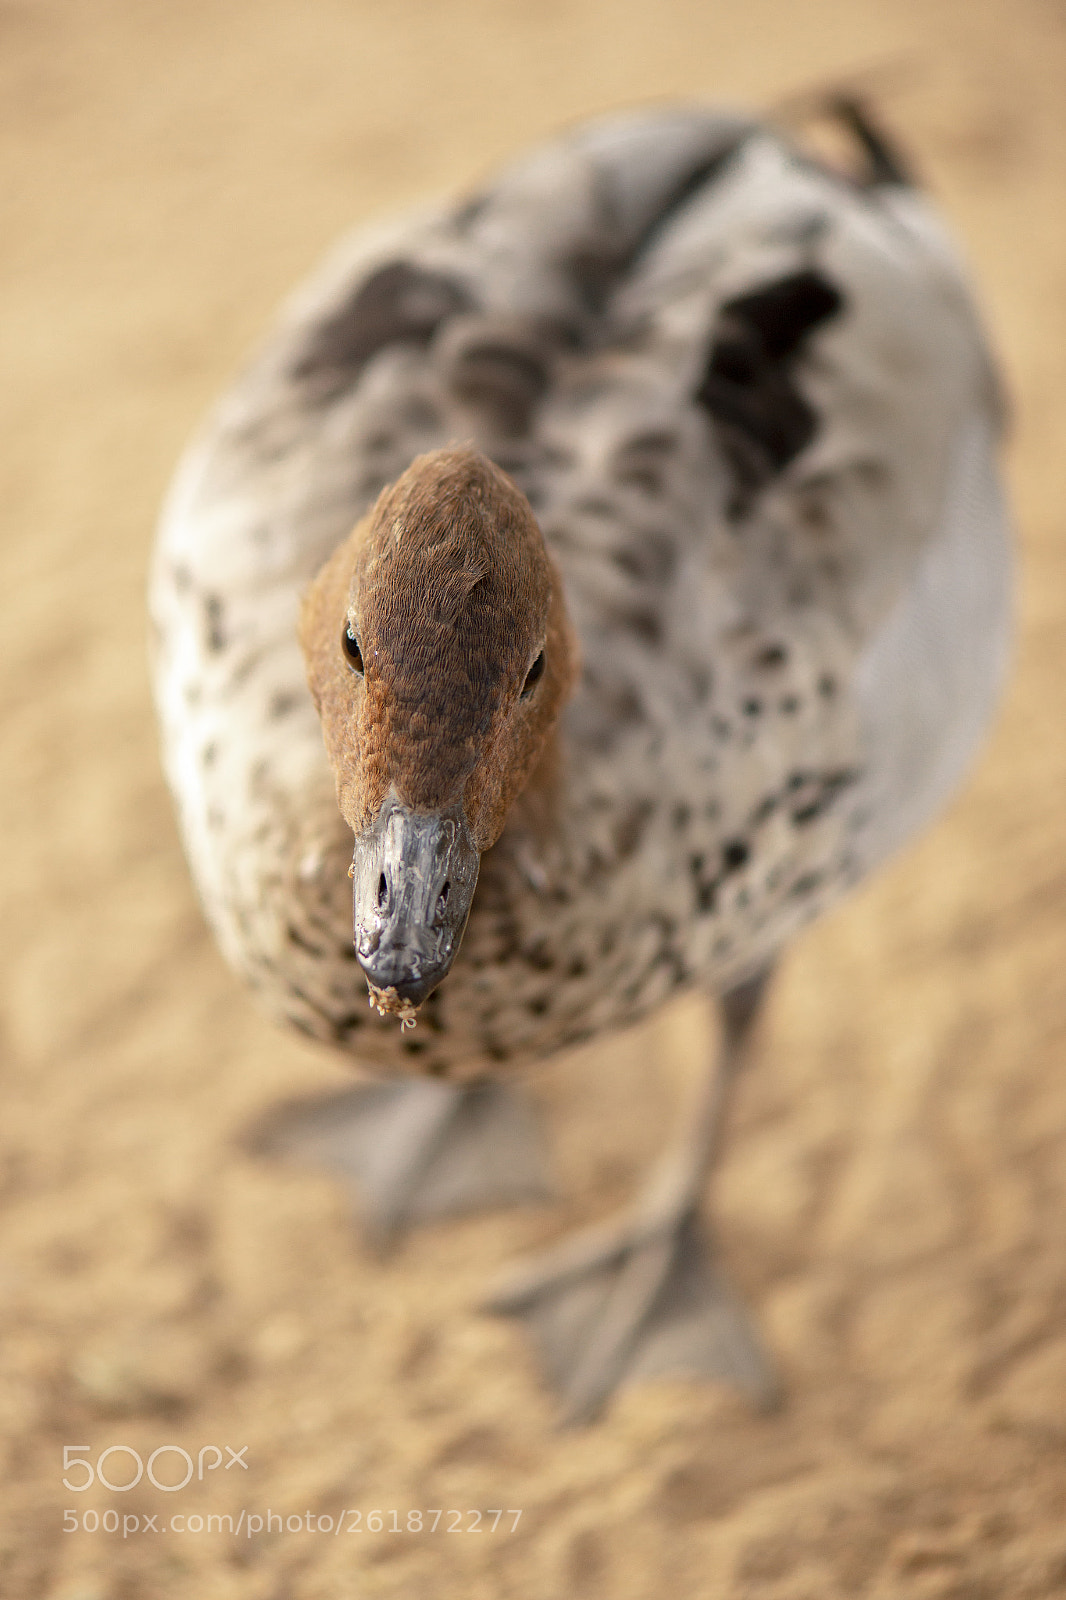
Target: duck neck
(536,812)
(534,826)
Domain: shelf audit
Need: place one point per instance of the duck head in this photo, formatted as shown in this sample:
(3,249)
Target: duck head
(439,655)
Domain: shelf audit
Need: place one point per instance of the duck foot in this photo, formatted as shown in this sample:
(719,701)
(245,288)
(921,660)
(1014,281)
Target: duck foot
(635,1299)
(416,1149)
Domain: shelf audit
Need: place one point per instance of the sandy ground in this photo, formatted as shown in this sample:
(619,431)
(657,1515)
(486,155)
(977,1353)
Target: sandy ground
(895,1191)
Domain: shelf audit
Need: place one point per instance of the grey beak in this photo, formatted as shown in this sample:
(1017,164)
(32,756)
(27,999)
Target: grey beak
(414,875)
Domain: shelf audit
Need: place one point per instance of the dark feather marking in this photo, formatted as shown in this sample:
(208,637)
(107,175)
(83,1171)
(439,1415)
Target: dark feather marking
(215,633)
(639,620)
(351,1020)
(397,303)
(784,313)
(704,173)
(631,827)
(297,937)
(540,957)
(502,378)
(763,420)
(884,161)
(831,785)
(706,897)
(735,855)
(464,217)
(281,703)
(302,1025)
(597,267)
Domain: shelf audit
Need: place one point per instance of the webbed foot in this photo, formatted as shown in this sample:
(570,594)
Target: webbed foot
(416,1149)
(638,1298)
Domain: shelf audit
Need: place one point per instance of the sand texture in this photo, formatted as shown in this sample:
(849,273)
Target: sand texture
(893,1200)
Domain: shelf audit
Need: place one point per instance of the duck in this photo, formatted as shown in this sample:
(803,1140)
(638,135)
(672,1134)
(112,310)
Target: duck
(592,579)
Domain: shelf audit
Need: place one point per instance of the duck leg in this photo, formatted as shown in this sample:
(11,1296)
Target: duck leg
(416,1149)
(643,1294)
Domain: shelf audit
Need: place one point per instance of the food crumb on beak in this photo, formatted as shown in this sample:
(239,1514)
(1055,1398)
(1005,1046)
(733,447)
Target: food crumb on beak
(388,1002)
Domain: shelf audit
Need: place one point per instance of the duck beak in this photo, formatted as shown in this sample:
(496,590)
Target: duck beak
(414,875)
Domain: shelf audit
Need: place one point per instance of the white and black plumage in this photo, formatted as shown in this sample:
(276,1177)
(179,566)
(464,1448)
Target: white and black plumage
(751,407)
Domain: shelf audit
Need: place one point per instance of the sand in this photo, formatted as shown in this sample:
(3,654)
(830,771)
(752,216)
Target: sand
(894,1194)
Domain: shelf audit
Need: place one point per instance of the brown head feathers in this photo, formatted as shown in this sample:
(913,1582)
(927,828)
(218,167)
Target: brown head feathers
(448,596)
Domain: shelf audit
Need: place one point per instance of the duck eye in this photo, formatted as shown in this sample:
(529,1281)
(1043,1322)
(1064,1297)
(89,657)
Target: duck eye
(532,676)
(352,650)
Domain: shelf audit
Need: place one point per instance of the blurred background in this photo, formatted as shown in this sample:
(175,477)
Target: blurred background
(894,1197)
